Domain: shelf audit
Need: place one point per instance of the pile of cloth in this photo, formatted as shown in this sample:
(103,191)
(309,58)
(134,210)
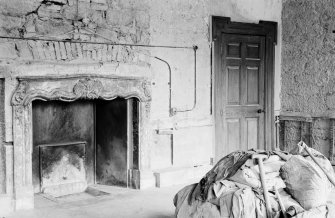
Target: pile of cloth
(298,184)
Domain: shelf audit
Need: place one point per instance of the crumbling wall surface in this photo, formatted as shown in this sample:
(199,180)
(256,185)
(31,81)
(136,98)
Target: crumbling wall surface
(148,22)
(115,21)
(308,53)
(316,134)
(92,21)
(2,139)
(308,78)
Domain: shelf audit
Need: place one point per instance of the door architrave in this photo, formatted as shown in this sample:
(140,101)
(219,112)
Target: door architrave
(268,29)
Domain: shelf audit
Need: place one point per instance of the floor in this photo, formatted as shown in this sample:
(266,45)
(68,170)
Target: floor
(111,202)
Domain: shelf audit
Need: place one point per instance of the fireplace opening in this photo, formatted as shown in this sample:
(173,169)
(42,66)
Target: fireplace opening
(85,142)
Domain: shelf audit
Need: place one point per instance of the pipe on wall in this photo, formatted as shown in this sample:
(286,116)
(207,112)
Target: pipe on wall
(172,111)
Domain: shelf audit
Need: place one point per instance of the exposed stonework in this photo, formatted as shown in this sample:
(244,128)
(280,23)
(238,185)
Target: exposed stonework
(95,21)
(19,8)
(316,134)
(66,51)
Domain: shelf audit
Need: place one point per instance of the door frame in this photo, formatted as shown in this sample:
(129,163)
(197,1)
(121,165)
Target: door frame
(268,29)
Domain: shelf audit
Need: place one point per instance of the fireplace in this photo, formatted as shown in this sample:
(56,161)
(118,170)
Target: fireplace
(73,131)
(76,144)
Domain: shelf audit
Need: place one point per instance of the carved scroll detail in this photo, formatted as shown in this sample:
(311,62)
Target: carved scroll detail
(88,88)
(20,93)
(84,88)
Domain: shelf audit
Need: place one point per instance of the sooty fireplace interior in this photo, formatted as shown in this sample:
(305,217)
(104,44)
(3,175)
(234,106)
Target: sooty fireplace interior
(84,142)
(95,104)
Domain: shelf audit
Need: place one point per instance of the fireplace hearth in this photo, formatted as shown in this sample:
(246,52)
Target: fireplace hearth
(62,168)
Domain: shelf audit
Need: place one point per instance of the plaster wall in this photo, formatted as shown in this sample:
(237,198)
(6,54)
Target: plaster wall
(154,22)
(2,138)
(308,52)
(188,23)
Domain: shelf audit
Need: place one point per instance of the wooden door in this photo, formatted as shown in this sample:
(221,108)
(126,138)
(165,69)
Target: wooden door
(239,93)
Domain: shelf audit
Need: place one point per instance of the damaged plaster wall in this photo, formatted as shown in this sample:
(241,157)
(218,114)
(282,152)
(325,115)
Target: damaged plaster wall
(154,22)
(187,22)
(308,67)
(2,138)
(118,21)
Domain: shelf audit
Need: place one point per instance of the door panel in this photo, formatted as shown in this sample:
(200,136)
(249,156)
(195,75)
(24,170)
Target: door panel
(252,132)
(233,85)
(252,85)
(240,93)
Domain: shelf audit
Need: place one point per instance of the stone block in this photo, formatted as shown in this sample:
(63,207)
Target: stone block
(68,50)
(72,2)
(47,11)
(9,22)
(58,1)
(74,50)
(65,189)
(19,7)
(85,54)
(24,51)
(79,50)
(40,49)
(57,51)
(99,54)
(99,7)
(33,49)
(99,1)
(7,49)
(47,54)
(119,17)
(109,34)
(94,55)
(70,11)
(30,26)
(84,37)
(62,50)
(109,53)
(52,51)
(116,53)
(98,17)
(54,27)
(104,53)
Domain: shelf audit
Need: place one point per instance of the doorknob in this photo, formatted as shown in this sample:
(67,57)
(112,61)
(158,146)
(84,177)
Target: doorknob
(260,111)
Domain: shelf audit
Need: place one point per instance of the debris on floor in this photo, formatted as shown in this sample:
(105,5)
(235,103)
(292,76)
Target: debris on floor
(247,184)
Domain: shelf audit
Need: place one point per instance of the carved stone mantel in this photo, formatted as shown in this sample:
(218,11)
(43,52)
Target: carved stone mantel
(69,88)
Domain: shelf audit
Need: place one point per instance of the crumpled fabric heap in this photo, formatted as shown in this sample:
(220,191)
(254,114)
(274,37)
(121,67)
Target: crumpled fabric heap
(232,189)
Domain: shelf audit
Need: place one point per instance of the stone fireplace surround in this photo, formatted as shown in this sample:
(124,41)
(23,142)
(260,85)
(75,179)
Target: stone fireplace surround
(71,88)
